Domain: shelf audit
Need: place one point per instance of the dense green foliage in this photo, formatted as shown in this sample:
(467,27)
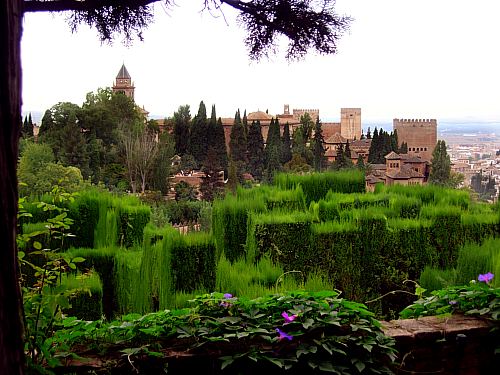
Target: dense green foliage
(285,333)
(440,165)
(317,185)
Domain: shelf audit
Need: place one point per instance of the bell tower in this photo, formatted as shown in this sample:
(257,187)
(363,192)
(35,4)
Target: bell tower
(123,83)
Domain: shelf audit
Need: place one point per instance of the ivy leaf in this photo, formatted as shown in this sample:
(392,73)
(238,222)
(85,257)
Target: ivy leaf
(308,323)
(360,366)
(37,245)
(226,361)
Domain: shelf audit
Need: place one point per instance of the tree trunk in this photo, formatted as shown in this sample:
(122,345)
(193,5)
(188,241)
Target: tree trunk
(11,326)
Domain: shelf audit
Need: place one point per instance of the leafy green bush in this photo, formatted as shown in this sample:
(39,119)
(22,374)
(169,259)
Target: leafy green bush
(296,332)
(86,298)
(316,185)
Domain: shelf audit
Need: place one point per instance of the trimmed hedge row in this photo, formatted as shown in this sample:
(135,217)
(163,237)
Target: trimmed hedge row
(317,185)
(100,218)
(370,256)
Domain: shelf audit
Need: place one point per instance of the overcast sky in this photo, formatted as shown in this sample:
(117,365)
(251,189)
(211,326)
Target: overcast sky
(401,59)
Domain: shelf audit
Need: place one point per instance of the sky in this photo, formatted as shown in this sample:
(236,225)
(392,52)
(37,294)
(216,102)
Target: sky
(401,59)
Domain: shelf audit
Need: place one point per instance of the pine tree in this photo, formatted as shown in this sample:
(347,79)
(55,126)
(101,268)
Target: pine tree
(286,145)
(440,165)
(198,140)
(255,150)
(369,134)
(319,160)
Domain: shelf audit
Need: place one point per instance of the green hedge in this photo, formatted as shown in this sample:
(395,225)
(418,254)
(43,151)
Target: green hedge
(103,262)
(229,223)
(192,262)
(316,185)
(86,299)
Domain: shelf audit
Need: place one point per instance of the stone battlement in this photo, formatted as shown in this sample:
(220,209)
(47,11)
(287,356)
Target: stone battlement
(306,110)
(432,122)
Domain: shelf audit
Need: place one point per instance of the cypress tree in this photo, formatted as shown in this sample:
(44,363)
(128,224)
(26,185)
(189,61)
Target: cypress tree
(182,120)
(368,134)
(360,164)
(273,151)
(211,184)
(403,149)
(347,150)
(198,141)
(339,162)
(238,145)
(286,145)
(245,123)
(220,145)
(440,165)
(374,146)
(319,160)
(255,150)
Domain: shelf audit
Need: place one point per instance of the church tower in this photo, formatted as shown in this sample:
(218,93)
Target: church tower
(124,83)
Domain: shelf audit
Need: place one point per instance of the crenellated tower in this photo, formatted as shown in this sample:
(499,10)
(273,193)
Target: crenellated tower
(419,134)
(350,123)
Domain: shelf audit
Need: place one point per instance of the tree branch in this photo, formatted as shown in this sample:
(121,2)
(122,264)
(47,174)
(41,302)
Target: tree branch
(81,5)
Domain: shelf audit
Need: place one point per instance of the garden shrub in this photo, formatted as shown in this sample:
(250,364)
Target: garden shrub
(434,279)
(132,221)
(127,264)
(85,213)
(86,300)
(103,262)
(294,332)
(229,221)
(474,259)
(284,237)
(192,260)
(316,185)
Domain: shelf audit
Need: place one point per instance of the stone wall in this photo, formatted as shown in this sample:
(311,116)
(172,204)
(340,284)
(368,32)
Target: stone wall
(419,134)
(456,345)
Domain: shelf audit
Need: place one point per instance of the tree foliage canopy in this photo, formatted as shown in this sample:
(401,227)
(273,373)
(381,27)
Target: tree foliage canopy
(306,24)
(440,165)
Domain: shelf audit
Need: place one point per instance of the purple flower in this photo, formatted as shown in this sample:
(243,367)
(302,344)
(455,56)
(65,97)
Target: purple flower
(228,295)
(288,318)
(284,335)
(487,277)
(452,302)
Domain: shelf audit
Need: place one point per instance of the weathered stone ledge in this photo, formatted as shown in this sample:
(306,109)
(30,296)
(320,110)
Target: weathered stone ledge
(437,345)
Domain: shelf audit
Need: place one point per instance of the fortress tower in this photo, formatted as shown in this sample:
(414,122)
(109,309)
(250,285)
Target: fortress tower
(420,136)
(314,113)
(350,123)
(124,83)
